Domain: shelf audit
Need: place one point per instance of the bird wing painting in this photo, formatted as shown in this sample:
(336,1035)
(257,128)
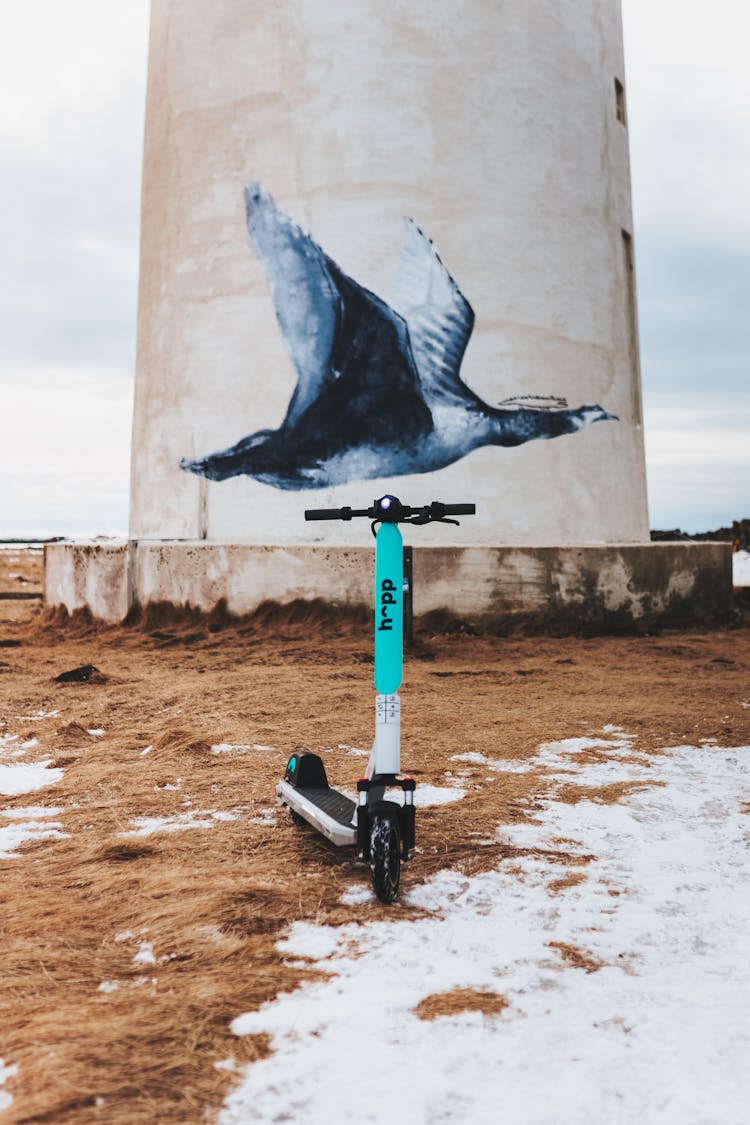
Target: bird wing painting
(379,391)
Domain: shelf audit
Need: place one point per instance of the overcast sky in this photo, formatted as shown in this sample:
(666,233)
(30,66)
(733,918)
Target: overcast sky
(72,82)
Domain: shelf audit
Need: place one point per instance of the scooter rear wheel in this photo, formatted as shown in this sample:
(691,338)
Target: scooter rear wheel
(385,856)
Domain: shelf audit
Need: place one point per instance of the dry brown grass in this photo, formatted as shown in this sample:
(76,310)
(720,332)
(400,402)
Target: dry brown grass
(557,886)
(577,957)
(603,794)
(460,1000)
(213,901)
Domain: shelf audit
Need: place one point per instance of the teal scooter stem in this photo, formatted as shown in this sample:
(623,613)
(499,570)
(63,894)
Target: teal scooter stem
(389,650)
(381,828)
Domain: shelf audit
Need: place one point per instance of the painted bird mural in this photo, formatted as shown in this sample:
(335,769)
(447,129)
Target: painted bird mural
(379,391)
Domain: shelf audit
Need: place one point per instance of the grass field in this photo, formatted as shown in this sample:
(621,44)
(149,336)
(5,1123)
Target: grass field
(152,893)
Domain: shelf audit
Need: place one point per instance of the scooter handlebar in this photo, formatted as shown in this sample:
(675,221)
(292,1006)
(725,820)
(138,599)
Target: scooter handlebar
(394,512)
(328,514)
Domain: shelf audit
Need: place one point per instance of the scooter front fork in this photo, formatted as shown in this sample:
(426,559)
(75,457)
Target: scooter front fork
(371,791)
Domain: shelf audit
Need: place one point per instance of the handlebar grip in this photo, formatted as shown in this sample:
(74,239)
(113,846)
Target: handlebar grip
(460,509)
(328,513)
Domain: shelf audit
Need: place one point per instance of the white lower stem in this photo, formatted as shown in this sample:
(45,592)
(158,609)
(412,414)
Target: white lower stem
(386,750)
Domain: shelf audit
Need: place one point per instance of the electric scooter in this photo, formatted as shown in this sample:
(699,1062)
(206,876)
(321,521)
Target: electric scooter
(382,829)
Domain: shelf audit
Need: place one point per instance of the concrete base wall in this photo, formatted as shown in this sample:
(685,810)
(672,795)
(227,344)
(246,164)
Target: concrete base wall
(91,576)
(607,585)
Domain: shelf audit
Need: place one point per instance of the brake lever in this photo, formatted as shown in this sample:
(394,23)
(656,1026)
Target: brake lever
(426,517)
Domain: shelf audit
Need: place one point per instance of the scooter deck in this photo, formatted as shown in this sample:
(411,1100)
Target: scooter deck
(327,810)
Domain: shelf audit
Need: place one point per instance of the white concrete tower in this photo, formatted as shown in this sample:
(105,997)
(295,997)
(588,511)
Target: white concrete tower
(501,129)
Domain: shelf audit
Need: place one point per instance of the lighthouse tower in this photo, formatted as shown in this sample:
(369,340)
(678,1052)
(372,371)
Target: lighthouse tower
(501,130)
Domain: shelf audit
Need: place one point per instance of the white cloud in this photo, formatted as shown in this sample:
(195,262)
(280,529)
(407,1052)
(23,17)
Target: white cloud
(72,95)
(699,468)
(72,86)
(65,453)
(63,65)
(688,89)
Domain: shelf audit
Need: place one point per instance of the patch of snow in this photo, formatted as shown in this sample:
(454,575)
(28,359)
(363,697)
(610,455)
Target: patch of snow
(6,1072)
(354,750)
(124,935)
(147,750)
(96,731)
(509,765)
(33,812)
(145,954)
(38,716)
(741,568)
(265,818)
(552,754)
(17,779)
(426,796)
(115,985)
(32,742)
(357,894)
(660,1033)
(180,822)
(225,1064)
(238,747)
(559,761)
(12,836)
(211,932)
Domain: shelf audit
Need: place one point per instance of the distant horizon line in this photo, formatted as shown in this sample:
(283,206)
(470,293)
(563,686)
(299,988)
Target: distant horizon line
(40,537)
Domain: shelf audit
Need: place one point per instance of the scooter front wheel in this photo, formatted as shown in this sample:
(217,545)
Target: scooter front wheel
(385,856)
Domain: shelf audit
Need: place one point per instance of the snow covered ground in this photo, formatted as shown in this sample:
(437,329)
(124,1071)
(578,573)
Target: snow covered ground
(5,1073)
(27,824)
(21,777)
(627,991)
(19,825)
(192,818)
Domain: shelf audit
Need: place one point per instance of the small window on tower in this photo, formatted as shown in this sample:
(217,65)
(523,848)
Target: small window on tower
(620,101)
